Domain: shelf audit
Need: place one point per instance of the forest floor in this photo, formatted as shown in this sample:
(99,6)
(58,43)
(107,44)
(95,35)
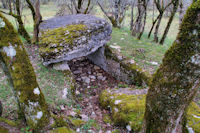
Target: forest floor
(91,80)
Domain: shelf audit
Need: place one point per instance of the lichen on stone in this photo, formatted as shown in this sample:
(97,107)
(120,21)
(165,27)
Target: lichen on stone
(2,23)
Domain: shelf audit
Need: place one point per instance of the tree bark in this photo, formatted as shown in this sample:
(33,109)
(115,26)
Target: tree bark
(32,105)
(176,81)
(157,28)
(22,31)
(37,21)
(169,22)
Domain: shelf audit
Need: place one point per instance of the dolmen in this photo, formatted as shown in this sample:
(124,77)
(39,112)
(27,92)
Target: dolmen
(72,36)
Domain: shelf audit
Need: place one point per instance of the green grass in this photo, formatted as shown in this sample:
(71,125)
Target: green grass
(142,51)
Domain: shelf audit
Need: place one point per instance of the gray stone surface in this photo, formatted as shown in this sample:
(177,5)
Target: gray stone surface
(85,43)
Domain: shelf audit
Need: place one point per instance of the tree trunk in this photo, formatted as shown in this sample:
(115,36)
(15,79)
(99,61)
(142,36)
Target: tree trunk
(157,28)
(181,12)
(176,81)
(144,23)
(153,24)
(138,23)
(1,109)
(169,22)
(116,7)
(32,105)
(4,4)
(22,31)
(37,21)
(132,14)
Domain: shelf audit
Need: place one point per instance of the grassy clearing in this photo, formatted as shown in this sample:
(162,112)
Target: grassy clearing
(142,51)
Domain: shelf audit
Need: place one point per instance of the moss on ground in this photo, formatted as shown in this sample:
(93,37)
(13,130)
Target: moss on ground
(130,109)
(9,122)
(62,130)
(3,130)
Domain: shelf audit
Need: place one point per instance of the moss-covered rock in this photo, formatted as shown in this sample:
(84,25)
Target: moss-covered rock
(17,66)
(9,126)
(62,130)
(3,130)
(73,36)
(128,110)
(125,69)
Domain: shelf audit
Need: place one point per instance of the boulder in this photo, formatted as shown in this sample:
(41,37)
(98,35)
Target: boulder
(127,106)
(73,36)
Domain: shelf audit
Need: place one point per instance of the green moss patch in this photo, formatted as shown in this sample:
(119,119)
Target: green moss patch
(61,39)
(193,117)
(128,110)
(62,130)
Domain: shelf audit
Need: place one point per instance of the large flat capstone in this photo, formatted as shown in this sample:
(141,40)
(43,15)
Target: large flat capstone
(73,36)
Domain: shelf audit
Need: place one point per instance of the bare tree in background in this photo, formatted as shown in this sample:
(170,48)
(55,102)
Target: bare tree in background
(139,25)
(37,18)
(16,12)
(174,10)
(75,6)
(115,10)
(161,7)
(5,4)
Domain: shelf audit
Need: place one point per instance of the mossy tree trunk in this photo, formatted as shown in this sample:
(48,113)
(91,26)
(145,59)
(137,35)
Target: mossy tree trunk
(21,29)
(176,81)
(32,105)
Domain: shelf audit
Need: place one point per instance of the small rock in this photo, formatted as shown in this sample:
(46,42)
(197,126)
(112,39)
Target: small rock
(72,113)
(77,92)
(100,77)
(78,79)
(99,74)
(96,67)
(84,117)
(117,101)
(122,39)
(65,92)
(104,78)
(92,77)
(128,127)
(154,63)
(77,72)
(62,107)
(78,130)
(89,72)
(86,80)
(108,131)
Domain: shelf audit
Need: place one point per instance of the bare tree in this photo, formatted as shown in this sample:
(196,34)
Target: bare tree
(37,18)
(175,83)
(116,10)
(161,7)
(174,10)
(21,29)
(139,25)
(75,6)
